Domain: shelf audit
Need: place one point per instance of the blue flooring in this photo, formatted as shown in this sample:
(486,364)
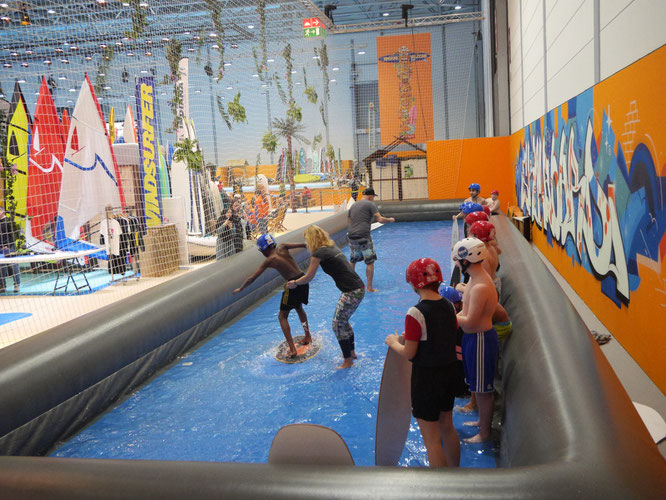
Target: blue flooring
(44,283)
(226,400)
(9,317)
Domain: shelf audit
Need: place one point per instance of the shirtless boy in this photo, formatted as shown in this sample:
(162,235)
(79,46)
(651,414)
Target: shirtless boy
(474,190)
(485,231)
(479,343)
(279,258)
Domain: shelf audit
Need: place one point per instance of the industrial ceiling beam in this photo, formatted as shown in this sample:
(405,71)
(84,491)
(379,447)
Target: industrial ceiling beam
(416,22)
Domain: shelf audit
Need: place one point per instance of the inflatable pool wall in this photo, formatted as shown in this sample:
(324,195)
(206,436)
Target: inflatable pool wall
(569,428)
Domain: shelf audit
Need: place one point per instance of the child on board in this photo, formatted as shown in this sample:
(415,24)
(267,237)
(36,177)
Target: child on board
(279,258)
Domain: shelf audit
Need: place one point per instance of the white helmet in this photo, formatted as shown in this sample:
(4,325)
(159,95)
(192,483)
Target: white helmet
(472,250)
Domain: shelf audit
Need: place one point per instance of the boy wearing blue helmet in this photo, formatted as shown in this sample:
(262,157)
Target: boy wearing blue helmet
(474,190)
(279,258)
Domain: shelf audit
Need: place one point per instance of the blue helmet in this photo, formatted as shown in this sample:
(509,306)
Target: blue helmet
(467,207)
(264,241)
(476,186)
(450,294)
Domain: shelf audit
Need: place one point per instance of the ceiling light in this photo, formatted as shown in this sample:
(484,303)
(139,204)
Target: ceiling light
(143,4)
(5,18)
(333,80)
(270,60)
(298,83)
(190,49)
(4,5)
(59,50)
(335,69)
(21,81)
(51,11)
(264,85)
(227,64)
(7,65)
(212,35)
(457,7)
(315,57)
(24,64)
(293,71)
(197,91)
(29,52)
(63,77)
(107,88)
(144,71)
(101,45)
(101,2)
(255,76)
(187,33)
(230,87)
(119,44)
(165,39)
(88,58)
(250,26)
(234,45)
(215,46)
(64,61)
(125,4)
(47,61)
(69,100)
(149,42)
(361,52)
(149,53)
(15,54)
(385,14)
(72,90)
(130,54)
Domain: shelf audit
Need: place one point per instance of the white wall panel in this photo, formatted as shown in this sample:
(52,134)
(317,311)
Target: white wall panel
(631,33)
(569,28)
(534,107)
(515,66)
(574,78)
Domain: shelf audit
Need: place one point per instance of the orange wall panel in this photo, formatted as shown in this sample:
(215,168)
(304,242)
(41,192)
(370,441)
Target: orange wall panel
(454,165)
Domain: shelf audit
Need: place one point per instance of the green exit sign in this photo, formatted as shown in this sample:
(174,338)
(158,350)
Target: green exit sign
(313,32)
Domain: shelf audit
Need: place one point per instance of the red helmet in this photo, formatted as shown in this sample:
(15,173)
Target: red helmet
(475,217)
(486,209)
(422,272)
(483,230)
(495,191)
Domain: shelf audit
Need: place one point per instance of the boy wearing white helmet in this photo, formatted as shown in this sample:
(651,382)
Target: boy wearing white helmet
(479,344)
(279,258)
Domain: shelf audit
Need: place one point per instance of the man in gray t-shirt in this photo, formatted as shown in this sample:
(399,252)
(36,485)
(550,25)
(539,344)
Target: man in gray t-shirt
(359,218)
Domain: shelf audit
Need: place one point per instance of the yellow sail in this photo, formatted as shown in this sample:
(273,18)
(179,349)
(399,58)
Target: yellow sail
(18,139)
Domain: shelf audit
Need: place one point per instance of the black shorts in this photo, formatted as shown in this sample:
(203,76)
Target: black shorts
(433,391)
(291,299)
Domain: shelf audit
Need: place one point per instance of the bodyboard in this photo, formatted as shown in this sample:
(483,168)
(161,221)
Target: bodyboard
(394,409)
(305,352)
(309,444)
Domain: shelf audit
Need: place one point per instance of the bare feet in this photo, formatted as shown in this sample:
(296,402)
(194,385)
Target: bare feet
(477,439)
(471,424)
(353,355)
(305,340)
(347,363)
(468,408)
(372,290)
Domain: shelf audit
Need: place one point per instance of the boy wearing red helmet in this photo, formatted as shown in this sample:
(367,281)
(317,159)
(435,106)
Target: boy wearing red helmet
(485,231)
(493,202)
(480,347)
(430,344)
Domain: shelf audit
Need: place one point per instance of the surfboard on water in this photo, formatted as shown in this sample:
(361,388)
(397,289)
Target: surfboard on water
(394,409)
(305,352)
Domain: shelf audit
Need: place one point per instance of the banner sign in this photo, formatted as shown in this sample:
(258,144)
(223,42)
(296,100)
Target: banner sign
(405,88)
(148,153)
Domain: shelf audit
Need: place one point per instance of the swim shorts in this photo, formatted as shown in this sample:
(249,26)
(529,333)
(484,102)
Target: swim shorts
(503,329)
(362,250)
(291,299)
(480,352)
(432,391)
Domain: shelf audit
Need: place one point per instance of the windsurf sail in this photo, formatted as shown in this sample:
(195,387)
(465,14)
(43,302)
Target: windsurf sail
(112,125)
(65,125)
(129,130)
(47,153)
(90,177)
(18,141)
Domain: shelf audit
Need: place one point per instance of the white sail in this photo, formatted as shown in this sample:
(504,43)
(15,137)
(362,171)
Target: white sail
(90,176)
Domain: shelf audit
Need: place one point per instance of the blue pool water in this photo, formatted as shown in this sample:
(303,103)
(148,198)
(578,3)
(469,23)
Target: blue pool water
(226,400)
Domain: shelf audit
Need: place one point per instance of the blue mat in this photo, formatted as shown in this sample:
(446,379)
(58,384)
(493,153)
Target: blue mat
(226,401)
(43,283)
(9,317)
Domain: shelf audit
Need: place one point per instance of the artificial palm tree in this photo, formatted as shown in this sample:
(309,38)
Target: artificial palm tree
(290,129)
(189,153)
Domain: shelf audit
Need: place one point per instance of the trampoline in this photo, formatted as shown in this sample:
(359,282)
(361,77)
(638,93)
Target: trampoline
(226,400)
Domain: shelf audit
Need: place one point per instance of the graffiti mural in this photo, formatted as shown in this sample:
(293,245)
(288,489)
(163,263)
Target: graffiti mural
(577,186)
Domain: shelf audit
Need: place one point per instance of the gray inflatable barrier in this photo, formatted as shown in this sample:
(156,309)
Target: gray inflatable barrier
(569,428)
